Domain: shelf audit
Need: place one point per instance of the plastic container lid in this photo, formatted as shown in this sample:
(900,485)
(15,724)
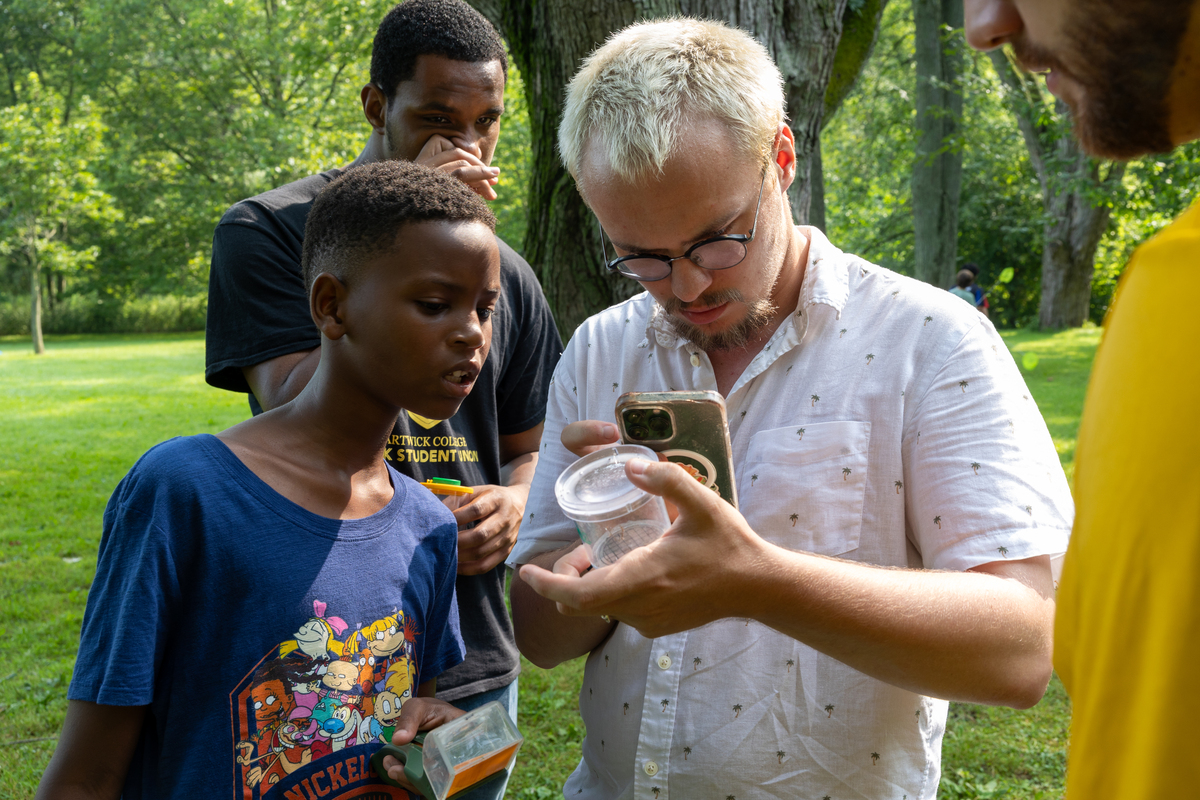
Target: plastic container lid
(595,487)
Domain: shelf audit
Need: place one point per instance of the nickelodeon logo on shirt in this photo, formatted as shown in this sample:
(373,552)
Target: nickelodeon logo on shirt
(311,713)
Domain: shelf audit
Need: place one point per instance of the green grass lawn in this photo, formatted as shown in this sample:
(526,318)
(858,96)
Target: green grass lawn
(74,420)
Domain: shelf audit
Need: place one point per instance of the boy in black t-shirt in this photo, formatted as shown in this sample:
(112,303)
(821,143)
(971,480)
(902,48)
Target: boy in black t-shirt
(436,96)
(264,599)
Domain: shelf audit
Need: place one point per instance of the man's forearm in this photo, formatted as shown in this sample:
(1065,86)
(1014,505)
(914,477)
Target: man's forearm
(281,379)
(544,636)
(969,636)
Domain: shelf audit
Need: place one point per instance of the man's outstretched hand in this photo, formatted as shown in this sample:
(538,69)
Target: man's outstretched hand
(462,162)
(696,573)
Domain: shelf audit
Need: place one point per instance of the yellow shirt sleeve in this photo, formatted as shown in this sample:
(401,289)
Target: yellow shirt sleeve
(1127,634)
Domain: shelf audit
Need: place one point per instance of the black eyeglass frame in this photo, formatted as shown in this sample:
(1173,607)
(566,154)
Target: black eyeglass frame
(743,239)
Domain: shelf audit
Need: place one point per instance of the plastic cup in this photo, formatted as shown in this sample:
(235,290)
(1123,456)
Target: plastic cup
(612,515)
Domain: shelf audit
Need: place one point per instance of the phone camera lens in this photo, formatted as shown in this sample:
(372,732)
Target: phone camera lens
(659,424)
(634,417)
(639,432)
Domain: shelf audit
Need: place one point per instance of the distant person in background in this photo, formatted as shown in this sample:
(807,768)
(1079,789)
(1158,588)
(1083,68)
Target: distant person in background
(1127,636)
(981,301)
(962,287)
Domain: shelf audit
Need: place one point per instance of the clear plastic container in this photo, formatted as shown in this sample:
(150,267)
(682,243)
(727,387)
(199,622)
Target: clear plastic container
(464,751)
(446,761)
(612,515)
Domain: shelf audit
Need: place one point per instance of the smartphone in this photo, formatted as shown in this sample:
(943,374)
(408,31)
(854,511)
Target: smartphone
(689,428)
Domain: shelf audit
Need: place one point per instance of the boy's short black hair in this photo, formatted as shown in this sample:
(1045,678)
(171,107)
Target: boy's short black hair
(972,268)
(964,279)
(448,28)
(359,215)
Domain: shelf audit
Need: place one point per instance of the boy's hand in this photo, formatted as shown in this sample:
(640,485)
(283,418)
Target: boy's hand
(496,512)
(416,715)
(442,154)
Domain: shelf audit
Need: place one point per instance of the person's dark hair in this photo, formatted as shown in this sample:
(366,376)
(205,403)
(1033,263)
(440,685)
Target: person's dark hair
(972,268)
(359,215)
(448,28)
(964,279)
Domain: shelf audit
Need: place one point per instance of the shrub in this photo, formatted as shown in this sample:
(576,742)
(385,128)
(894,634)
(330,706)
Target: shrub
(94,314)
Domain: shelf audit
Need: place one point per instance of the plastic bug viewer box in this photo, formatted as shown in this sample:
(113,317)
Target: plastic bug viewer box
(479,746)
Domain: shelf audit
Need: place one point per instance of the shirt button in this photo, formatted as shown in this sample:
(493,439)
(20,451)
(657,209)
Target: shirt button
(651,768)
(695,360)
(664,662)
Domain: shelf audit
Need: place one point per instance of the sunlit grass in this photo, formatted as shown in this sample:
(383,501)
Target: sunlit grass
(73,421)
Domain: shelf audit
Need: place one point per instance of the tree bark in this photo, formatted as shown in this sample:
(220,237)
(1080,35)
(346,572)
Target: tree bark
(35,291)
(549,39)
(1075,198)
(937,169)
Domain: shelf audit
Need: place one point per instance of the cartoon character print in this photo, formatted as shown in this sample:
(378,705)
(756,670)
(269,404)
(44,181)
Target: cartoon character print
(320,693)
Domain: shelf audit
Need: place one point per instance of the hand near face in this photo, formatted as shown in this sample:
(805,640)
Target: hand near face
(496,512)
(416,715)
(696,573)
(462,162)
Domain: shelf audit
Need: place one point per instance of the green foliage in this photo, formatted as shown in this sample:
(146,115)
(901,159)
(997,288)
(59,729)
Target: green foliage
(868,150)
(514,157)
(46,186)
(91,313)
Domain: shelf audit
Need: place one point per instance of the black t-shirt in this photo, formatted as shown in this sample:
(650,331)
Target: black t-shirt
(258,310)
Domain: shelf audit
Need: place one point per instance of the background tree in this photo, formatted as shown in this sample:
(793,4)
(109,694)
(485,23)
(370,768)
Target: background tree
(937,168)
(45,187)
(1078,195)
(548,41)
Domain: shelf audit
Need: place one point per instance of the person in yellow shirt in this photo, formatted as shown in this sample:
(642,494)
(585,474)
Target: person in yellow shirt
(1127,633)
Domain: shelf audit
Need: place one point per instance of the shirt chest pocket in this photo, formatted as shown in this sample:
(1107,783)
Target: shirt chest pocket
(802,487)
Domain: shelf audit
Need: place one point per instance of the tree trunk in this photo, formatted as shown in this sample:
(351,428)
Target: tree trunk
(816,177)
(549,39)
(937,169)
(1071,235)
(35,302)
(1073,197)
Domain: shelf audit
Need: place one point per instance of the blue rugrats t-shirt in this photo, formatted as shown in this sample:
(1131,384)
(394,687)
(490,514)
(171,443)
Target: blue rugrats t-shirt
(273,646)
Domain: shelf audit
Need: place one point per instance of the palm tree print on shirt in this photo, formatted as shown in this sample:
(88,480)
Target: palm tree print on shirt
(841,333)
(793,518)
(779,754)
(800,433)
(899,485)
(874,758)
(870,357)
(687,751)
(815,398)
(664,705)
(696,662)
(753,478)
(624,708)
(737,709)
(927,321)
(938,521)
(791,662)
(655,790)
(1002,551)
(975,465)
(828,711)
(846,472)
(614,387)
(963,385)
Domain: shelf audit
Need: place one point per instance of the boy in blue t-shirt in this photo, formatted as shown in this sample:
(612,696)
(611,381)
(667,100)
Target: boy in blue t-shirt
(274,602)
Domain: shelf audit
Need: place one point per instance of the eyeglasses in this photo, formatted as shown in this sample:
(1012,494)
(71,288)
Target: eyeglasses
(719,252)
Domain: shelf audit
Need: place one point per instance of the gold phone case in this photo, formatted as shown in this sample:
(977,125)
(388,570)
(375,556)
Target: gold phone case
(689,428)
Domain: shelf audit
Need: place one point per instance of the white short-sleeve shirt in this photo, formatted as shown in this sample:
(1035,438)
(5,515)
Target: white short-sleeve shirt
(884,422)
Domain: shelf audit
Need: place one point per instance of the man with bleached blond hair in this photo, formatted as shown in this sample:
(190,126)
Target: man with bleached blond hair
(900,500)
